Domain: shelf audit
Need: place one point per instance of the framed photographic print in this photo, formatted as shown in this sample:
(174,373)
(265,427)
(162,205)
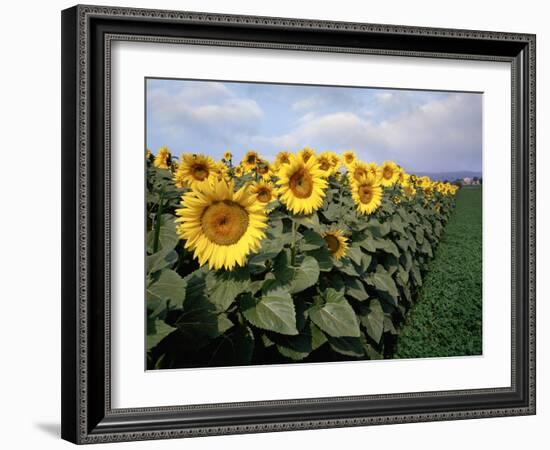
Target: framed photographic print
(281,224)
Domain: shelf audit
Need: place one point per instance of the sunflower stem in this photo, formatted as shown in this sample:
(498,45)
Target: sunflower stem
(293,248)
(157,222)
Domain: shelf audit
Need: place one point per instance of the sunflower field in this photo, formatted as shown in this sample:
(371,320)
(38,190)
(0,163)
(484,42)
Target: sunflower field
(311,257)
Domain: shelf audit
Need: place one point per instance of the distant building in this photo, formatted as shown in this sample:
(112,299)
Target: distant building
(467,181)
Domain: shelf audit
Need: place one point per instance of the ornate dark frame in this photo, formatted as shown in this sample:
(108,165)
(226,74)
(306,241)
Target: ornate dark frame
(87,33)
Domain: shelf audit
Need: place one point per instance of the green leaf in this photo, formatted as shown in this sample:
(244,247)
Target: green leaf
(283,271)
(345,265)
(305,276)
(355,254)
(368,244)
(170,286)
(311,241)
(336,317)
(323,258)
(160,260)
(355,289)
(157,330)
(388,246)
(382,281)
(224,286)
(378,229)
(348,346)
(168,238)
(311,221)
(274,311)
(373,320)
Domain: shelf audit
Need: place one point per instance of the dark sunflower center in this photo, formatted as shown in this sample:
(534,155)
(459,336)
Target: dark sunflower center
(200,172)
(324,164)
(387,173)
(263,169)
(301,184)
(365,194)
(251,159)
(333,243)
(264,195)
(224,223)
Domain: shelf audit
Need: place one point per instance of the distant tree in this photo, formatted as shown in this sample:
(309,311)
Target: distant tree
(476,179)
(445,181)
(480,180)
(458,182)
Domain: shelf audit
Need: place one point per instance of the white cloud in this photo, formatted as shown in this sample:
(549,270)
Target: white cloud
(443,134)
(188,113)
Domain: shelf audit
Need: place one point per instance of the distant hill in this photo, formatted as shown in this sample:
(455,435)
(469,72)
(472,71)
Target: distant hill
(450,176)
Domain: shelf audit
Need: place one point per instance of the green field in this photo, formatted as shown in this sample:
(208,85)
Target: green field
(446,319)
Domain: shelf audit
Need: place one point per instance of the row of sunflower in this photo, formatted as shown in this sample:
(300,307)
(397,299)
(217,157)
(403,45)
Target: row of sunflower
(309,257)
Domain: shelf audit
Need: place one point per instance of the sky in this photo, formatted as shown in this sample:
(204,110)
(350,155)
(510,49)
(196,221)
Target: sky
(423,131)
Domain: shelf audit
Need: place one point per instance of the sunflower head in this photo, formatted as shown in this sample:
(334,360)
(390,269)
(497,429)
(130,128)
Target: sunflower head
(404,178)
(325,163)
(228,156)
(302,185)
(357,171)
(264,169)
(250,160)
(349,157)
(409,190)
(306,153)
(396,199)
(221,226)
(390,173)
(195,170)
(163,160)
(264,190)
(336,243)
(423,182)
(238,171)
(281,159)
(367,194)
(149,156)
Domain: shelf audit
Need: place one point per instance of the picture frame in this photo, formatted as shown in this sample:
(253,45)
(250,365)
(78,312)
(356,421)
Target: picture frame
(87,35)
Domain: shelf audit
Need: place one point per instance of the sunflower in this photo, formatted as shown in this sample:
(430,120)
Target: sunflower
(429,190)
(349,158)
(396,199)
(238,171)
(328,162)
(325,163)
(264,169)
(220,226)
(264,191)
(195,171)
(367,194)
(336,242)
(282,158)
(250,160)
(374,170)
(149,156)
(302,185)
(306,153)
(423,182)
(403,178)
(409,190)
(163,159)
(228,156)
(390,173)
(358,170)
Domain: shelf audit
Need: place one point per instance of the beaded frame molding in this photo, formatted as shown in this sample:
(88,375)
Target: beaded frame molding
(87,35)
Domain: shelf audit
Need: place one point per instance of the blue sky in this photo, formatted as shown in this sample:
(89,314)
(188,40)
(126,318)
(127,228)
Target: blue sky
(424,131)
